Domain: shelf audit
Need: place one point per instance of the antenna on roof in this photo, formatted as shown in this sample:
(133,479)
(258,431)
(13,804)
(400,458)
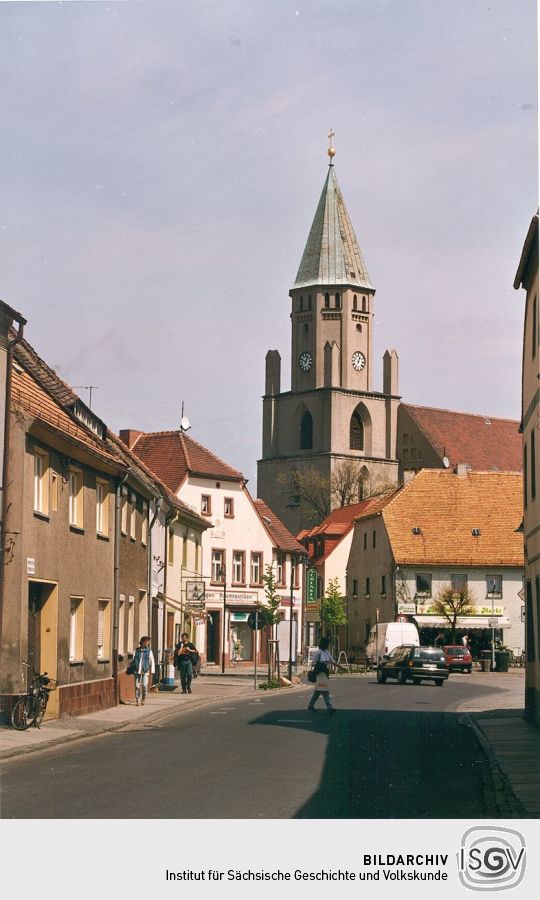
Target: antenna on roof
(185,424)
(87,387)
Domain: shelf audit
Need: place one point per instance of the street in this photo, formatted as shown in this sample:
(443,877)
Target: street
(391,751)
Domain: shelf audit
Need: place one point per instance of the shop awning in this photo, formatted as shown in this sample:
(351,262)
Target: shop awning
(467,622)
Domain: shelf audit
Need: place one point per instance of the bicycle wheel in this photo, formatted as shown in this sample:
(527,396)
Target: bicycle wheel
(22,714)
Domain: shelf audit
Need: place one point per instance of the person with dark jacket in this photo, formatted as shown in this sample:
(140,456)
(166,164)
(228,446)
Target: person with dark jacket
(186,656)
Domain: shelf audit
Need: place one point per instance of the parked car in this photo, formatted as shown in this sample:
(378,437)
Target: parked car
(458,658)
(413,663)
(387,635)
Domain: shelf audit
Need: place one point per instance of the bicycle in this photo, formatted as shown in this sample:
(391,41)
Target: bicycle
(30,709)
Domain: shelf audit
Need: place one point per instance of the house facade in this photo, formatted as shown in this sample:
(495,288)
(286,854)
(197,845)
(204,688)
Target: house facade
(527,278)
(443,529)
(243,538)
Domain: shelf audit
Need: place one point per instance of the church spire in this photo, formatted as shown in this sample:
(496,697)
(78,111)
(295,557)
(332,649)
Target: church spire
(332,255)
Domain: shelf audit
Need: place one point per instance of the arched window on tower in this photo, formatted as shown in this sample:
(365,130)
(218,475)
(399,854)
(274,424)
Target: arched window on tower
(309,301)
(363,304)
(306,431)
(355,302)
(301,303)
(338,301)
(327,301)
(356,432)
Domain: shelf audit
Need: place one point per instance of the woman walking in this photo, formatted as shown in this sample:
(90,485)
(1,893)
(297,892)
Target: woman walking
(143,664)
(322,661)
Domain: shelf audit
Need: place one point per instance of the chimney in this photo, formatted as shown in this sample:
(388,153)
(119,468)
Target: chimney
(128,436)
(461,469)
(408,475)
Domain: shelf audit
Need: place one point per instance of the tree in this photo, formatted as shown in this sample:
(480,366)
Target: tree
(332,609)
(317,494)
(270,615)
(451,604)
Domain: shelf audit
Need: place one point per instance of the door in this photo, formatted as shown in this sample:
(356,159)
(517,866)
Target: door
(43,634)
(213,637)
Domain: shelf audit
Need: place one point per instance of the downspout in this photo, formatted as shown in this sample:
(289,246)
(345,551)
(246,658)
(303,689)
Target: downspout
(149,599)
(5,462)
(170,520)
(116,579)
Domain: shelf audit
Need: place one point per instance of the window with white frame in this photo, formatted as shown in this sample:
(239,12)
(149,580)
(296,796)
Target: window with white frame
(102,507)
(76,497)
(494,586)
(280,569)
(218,563)
(143,614)
(121,623)
(423,584)
(256,568)
(206,505)
(228,507)
(41,481)
(133,517)
(131,625)
(124,510)
(144,523)
(104,630)
(238,567)
(76,629)
(458,583)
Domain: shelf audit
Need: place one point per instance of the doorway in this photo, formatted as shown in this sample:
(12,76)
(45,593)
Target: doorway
(213,638)
(43,634)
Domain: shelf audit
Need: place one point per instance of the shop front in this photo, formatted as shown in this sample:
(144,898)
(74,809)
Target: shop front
(479,631)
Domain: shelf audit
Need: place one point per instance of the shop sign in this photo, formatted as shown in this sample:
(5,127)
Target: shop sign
(195,593)
(407,608)
(249,597)
(426,609)
(311,590)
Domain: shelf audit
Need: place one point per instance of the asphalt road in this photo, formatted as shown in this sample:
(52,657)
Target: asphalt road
(391,751)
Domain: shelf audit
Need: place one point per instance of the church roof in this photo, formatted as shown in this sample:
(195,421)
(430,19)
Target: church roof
(482,442)
(332,255)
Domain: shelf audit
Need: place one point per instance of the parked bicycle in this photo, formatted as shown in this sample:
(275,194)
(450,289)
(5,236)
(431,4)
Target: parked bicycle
(30,709)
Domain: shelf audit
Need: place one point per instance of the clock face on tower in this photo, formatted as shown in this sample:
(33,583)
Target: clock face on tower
(358,360)
(305,361)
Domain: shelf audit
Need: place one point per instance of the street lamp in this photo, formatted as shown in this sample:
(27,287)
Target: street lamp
(493,588)
(223,574)
(295,561)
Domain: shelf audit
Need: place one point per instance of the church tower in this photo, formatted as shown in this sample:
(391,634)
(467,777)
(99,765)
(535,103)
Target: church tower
(331,415)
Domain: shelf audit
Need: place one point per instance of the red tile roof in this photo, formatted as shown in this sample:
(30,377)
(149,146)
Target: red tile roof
(446,508)
(281,536)
(172,455)
(483,442)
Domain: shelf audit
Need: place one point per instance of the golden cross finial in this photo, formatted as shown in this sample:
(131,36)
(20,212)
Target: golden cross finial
(331,152)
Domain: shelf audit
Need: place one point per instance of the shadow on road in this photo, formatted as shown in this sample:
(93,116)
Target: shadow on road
(393,764)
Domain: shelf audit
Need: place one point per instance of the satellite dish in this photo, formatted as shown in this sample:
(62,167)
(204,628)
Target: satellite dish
(446,462)
(185,424)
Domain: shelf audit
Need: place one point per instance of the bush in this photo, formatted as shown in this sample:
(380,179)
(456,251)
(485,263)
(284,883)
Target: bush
(269,685)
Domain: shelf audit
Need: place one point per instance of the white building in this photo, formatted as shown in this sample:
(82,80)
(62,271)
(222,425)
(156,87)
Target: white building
(244,538)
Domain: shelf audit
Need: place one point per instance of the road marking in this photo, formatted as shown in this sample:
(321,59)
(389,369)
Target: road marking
(227,708)
(295,721)
(220,713)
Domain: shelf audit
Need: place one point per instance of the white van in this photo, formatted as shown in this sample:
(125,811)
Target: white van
(390,635)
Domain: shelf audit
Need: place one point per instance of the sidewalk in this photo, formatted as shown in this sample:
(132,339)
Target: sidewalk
(159,705)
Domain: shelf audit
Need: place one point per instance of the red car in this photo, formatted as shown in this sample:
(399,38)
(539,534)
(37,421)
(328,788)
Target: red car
(458,658)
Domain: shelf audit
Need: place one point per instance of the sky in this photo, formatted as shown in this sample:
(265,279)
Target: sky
(161,167)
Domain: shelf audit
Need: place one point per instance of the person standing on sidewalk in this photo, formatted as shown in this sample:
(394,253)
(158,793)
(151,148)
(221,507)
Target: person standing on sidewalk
(143,664)
(322,661)
(186,654)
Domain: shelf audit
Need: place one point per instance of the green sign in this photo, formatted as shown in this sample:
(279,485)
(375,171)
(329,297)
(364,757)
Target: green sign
(311,593)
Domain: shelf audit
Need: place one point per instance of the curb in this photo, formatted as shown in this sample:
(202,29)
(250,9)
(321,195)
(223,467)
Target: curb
(149,718)
(508,805)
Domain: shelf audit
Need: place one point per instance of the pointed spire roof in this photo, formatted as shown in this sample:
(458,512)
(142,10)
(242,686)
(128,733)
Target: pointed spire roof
(332,254)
